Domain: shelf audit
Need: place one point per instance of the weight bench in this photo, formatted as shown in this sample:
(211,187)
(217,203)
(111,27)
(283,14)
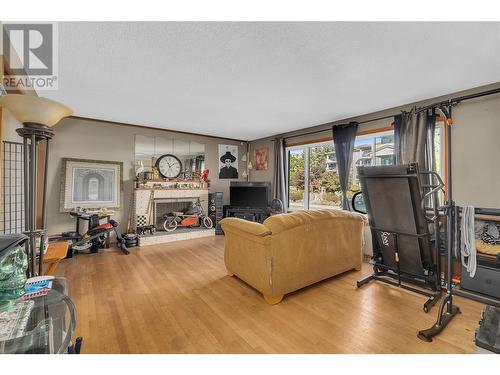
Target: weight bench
(402,253)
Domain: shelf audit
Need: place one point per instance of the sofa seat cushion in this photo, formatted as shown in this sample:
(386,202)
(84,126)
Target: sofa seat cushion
(279,223)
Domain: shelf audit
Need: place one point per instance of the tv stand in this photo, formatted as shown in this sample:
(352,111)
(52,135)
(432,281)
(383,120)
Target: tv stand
(256,214)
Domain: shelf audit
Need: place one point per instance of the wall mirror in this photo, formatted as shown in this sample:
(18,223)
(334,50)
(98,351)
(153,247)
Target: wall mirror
(191,154)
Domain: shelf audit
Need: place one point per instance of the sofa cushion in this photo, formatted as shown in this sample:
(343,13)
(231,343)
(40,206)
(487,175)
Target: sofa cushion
(282,222)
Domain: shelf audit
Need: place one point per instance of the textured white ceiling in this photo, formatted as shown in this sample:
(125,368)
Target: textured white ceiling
(248,80)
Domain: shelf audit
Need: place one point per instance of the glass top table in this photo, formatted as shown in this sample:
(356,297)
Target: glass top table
(41,325)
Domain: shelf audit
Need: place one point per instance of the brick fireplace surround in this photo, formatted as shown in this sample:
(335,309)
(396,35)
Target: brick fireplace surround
(172,198)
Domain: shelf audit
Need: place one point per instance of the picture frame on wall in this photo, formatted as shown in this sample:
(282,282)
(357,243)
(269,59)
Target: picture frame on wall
(91,184)
(261,159)
(228,161)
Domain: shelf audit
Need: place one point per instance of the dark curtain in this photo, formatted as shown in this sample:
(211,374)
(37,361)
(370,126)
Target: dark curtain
(280,173)
(414,141)
(430,157)
(397,138)
(430,147)
(343,139)
(411,133)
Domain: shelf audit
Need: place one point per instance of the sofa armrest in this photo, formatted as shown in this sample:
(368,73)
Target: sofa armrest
(236,225)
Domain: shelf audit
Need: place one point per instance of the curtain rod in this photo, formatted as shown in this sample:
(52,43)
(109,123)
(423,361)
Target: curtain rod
(448,102)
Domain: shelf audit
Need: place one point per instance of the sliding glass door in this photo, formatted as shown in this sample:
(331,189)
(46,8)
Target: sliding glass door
(313,182)
(324,185)
(297,178)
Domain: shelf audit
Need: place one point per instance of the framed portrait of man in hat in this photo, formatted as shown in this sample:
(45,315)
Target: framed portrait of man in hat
(228,161)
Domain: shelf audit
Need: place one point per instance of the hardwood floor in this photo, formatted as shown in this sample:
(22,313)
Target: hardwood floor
(177,298)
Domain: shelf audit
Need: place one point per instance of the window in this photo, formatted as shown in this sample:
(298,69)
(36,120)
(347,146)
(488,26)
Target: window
(372,149)
(313,182)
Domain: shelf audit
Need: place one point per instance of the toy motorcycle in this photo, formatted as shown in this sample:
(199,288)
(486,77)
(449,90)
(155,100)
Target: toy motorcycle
(193,217)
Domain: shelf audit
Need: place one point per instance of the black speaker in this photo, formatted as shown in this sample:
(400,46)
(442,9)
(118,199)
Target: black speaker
(215,210)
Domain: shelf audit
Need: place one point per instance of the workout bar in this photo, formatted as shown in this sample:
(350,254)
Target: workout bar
(476,297)
(393,176)
(404,277)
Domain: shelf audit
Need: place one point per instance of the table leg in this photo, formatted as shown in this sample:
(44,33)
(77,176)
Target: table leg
(106,243)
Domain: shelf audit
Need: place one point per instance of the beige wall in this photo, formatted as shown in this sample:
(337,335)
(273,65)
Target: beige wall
(475,143)
(476,153)
(262,175)
(77,138)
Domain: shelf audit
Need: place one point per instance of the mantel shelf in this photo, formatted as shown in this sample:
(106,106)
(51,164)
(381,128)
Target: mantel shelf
(166,188)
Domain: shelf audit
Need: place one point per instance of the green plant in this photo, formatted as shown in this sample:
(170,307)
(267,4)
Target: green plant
(296,195)
(330,198)
(330,181)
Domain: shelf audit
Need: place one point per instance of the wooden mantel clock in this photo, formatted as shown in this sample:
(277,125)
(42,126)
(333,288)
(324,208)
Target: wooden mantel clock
(169,166)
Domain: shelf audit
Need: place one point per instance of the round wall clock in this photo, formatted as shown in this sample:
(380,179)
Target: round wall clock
(169,166)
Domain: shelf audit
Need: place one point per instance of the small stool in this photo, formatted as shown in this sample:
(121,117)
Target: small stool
(55,253)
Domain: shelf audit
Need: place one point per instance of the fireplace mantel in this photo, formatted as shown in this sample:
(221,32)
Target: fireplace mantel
(143,197)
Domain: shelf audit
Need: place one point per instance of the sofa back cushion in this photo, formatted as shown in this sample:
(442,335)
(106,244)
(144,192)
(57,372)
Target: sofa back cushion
(279,223)
(233,224)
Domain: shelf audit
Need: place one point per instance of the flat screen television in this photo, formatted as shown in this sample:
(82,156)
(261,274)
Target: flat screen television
(250,194)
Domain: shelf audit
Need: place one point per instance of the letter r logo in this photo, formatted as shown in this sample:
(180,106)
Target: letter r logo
(29,48)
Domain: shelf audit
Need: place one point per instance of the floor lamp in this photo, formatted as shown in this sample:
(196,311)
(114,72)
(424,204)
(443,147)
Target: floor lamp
(37,115)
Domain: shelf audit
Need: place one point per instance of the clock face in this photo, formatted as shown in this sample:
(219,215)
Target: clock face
(169,166)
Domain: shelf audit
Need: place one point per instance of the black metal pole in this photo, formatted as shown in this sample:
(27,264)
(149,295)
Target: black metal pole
(32,212)
(437,238)
(26,163)
(446,310)
(44,208)
(33,133)
(450,220)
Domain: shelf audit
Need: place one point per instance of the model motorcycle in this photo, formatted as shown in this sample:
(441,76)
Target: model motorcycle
(193,217)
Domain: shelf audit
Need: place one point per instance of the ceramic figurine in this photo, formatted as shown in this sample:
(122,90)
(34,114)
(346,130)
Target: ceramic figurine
(155,174)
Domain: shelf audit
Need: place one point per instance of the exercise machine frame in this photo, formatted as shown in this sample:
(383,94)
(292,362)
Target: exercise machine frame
(447,310)
(426,285)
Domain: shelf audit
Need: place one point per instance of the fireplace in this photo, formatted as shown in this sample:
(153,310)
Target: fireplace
(163,201)
(164,206)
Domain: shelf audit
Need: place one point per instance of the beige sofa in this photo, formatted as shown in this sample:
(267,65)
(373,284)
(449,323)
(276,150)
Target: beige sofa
(290,251)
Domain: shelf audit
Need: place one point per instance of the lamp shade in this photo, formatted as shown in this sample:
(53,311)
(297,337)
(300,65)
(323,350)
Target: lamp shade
(34,109)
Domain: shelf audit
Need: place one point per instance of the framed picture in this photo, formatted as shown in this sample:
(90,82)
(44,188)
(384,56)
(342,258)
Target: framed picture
(91,184)
(228,161)
(261,159)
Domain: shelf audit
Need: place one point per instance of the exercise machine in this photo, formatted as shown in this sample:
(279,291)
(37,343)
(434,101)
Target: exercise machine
(395,201)
(447,310)
(93,238)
